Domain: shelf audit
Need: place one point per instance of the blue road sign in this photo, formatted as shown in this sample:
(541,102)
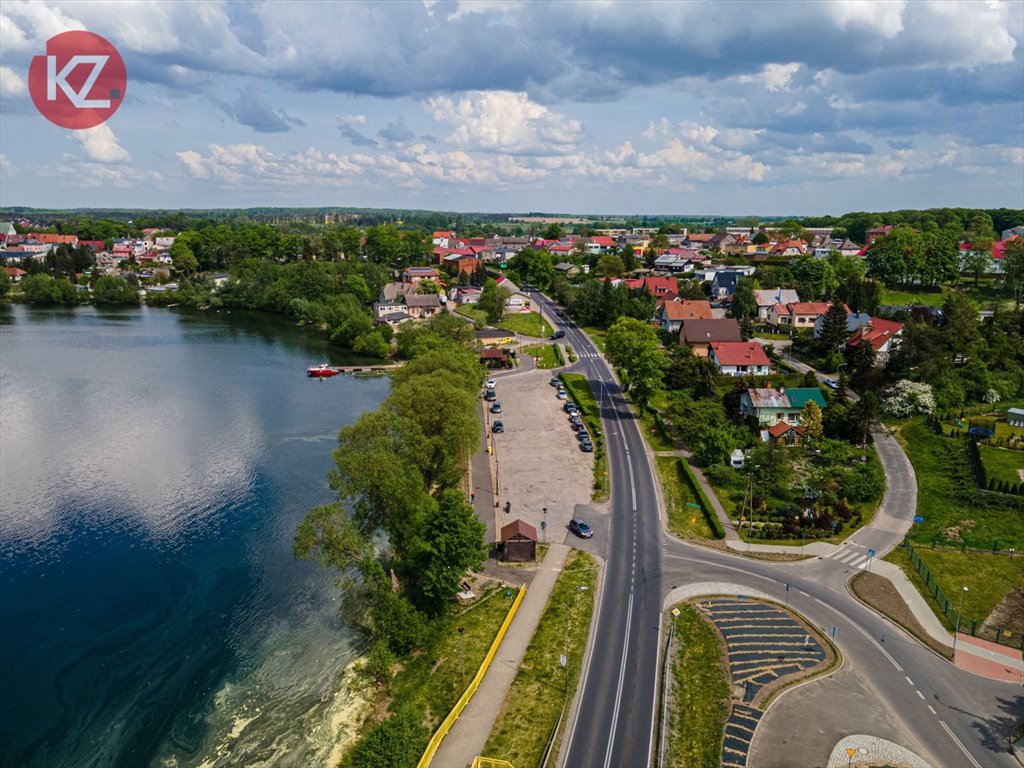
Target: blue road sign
(918,519)
(871,553)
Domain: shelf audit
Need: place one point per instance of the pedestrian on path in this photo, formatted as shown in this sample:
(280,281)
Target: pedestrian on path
(472,498)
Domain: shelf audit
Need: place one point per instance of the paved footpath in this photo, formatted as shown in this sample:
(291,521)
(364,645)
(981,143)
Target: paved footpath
(467,737)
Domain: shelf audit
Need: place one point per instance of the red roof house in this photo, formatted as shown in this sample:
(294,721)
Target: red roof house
(739,358)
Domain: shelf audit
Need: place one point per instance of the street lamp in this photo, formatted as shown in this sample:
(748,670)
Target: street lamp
(959,610)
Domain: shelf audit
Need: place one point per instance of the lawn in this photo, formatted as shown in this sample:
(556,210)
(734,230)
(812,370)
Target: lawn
(597,336)
(546,355)
(683,521)
(1001,464)
(579,389)
(528,324)
(926,298)
(943,475)
(474,314)
(699,704)
(542,686)
(987,577)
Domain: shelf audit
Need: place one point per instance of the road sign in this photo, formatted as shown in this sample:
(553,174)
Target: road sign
(918,519)
(850,751)
(692,505)
(675,611)
(871,553)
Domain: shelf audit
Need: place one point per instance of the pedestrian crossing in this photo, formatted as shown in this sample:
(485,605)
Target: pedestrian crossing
(851,556)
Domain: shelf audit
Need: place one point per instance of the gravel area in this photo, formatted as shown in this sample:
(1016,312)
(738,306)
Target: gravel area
(538,460)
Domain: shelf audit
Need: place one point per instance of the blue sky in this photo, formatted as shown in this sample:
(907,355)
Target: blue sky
(599,107)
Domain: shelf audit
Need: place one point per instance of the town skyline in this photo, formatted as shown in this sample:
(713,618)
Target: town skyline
(803,109)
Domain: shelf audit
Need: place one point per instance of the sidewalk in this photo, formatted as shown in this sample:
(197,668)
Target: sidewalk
(467,737)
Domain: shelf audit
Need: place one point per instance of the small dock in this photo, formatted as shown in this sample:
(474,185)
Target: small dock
(365,368)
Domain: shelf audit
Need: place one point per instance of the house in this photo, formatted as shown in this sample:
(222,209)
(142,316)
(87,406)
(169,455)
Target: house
(739,358)
(873,234)
(7,228)
(394,319)
(1007,234)
(600,244)
(884,335)
(769,406)
(723,284)
(391,292)
(518,302)
(697,240)
(769,297)
(465,294)
(519,542)
(15,273)
(854,320)
(719,240)
(414,275)
(456,263)
(698,333)
(567,269)
(846,247)
(492,357)
(443,239)
(671,314)
(45,238)
(796,314)
(789,435)
(424,306)
(95,245)
(495,337)
(382,309)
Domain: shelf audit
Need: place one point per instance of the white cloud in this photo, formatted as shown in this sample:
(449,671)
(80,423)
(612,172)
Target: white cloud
(774,77)
(1015,155)
(351,119)
(882,17)
(6,166)
(504,121)
(10,83)
(100,144)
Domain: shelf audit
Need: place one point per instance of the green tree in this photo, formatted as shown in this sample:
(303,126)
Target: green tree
(182,258)
(5,284)
(114,290)
(744,302)
(810,419)
(452,543)
(350,240)
(396,742)
(941,257)
(815,278)
(384,245)
(1013,269)
(978,260)
(552,231)
(833,331)
(493,300)
(428,288)
(896,257)
(372,344)
(534,266)
(358,287)
(610,264)
(632,346)
(628,254)
(761,238)
(961,331)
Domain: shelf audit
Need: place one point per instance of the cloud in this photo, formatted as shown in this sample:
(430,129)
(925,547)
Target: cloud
(504,121)
(10,83)
(100,144)
(358,138)
(254,110)
(396,133)
(774,77)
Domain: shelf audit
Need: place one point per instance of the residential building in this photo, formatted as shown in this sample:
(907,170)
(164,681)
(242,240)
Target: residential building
(421,307)
(796,314)
(884,335)
(699,333)
(465,294)
(790,435)
(768,406)
(739,358)
(769,297)
(567,269)
(391,292)
(671,314)
(854,320)
(600,244)
(723,284)
(873,234)
(414,275)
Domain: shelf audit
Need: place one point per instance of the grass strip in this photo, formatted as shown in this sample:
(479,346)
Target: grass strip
(528,324)
(709,511)
(699,698)
(581,392)
(546,355)
(879,593)
(542,686)
(683,521)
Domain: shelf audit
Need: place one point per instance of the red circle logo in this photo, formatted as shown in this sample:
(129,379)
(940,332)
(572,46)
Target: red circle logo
(80,82)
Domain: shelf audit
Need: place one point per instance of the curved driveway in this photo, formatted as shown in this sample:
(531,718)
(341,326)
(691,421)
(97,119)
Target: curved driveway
(963,720)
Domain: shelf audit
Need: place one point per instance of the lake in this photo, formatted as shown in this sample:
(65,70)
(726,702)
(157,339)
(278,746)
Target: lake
(154,464)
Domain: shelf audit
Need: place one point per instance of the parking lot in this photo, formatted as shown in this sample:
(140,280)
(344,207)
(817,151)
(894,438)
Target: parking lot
(538,460)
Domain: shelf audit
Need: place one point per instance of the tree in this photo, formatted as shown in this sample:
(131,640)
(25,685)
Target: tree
(833,330)
(384,245)
(427,288)
(552,231)
(896,257)
(744,302)
(5,283)
(905,398)
(978,259)
(183,259)
(862,360)
(453,543)
(358,287)
(815,278)
(961,331)
(1013,269)
(761,238)
(114,290)
(534,266)
(611,265)
(628,254)
(632,345)
(941,258)
(396,742)
(493,300)
(810,419)
(350,239)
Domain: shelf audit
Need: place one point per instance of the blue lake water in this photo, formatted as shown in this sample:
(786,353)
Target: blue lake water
(154,464)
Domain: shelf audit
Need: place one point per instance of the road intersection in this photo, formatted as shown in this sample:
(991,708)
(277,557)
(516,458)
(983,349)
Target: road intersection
(956,719)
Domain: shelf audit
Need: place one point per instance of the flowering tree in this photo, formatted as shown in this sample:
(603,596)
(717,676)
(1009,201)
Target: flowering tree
(905,398)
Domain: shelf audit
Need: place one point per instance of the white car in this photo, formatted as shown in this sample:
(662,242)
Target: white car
(832,383)
(491,383)
(562,395)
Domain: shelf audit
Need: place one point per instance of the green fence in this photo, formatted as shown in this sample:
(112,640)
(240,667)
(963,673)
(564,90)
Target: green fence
(949,610)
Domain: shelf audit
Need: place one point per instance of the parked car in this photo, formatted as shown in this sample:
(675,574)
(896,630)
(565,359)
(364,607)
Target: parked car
(497,427)
(583,436)
(832,383)
(555,381)
(562,395)
(580,528)
(558,335)
(491,383)
(490,395)
(586,446)
(495,407)
(570,408)
(576,422)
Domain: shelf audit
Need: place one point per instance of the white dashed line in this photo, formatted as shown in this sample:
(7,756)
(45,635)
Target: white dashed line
(908,680)
(932,710)
(920,694)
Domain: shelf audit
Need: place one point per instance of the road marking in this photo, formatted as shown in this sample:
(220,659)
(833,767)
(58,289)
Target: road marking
(908,680)
(932,710)
(920,694)
(880,648)
(622,678)
(803,593)
(959,744)
(632,483)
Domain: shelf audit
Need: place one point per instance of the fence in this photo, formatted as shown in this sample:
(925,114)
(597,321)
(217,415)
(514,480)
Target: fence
(446,725)
(973,626)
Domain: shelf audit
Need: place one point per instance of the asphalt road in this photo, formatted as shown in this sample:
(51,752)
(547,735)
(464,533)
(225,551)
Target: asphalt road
(961,719)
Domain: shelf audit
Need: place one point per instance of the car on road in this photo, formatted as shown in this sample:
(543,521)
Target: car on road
(491,383)
(497,427)
(495,407)
(490,395)
(586,446)
(832,383)
(580,528)
(555,381)
(562,395)
(558,335)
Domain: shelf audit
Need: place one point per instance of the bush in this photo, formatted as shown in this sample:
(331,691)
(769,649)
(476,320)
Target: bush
(393,743)
(906,398)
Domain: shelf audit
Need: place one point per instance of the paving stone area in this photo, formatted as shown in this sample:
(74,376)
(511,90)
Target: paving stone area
(765,644)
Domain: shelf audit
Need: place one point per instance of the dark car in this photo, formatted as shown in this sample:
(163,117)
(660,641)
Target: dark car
(555,381)
(583,436)
(586,446)
(558,335)
(490,395)
(495,407)
(580,528)
(497,427)
(570,408)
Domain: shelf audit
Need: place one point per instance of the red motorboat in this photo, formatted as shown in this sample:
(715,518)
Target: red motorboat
(322,371)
